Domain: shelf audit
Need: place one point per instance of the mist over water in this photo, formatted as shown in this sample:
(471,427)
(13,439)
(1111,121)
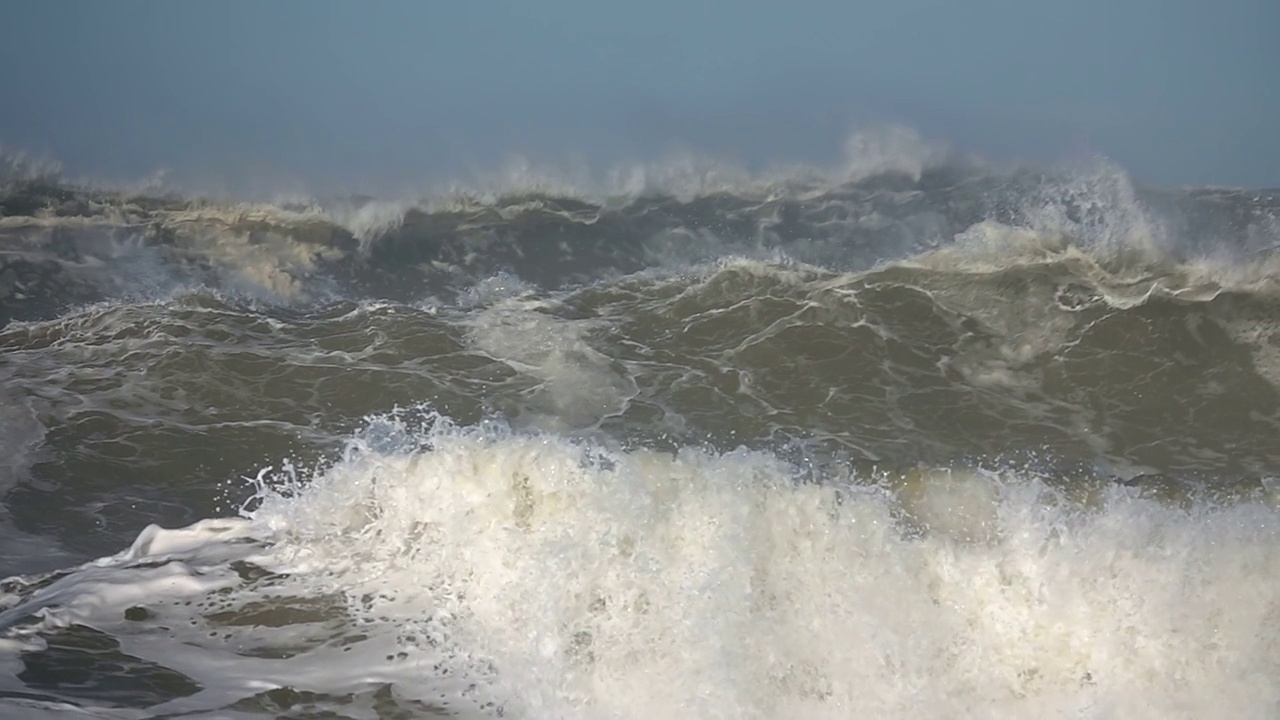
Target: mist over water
(903,435)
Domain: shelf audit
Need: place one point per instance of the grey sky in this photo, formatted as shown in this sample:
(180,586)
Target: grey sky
(363,95)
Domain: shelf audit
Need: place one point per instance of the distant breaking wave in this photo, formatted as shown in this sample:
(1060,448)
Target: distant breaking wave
(64,244)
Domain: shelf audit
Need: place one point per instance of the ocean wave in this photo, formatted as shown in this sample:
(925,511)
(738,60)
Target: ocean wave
(484,571)
(902,436)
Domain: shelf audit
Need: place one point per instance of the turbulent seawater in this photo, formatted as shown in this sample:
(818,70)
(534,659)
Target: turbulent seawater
(920,442)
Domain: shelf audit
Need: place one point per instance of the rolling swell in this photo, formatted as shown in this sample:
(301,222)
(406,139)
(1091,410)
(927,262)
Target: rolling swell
(897,365)
(885,369)
(898,318)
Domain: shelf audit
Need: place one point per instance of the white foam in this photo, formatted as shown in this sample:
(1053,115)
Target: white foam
(577,386)
(1098,207)
(160,563)
(715,587)
(562,580)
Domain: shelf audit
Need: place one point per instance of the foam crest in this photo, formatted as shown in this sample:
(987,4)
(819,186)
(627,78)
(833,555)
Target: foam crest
(596,584)
(889,196)
(1097,204)
(687,175)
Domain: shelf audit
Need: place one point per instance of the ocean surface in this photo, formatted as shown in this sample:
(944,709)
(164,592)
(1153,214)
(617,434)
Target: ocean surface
(911,440)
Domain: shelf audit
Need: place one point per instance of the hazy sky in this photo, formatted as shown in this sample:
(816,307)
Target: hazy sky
(372,94)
